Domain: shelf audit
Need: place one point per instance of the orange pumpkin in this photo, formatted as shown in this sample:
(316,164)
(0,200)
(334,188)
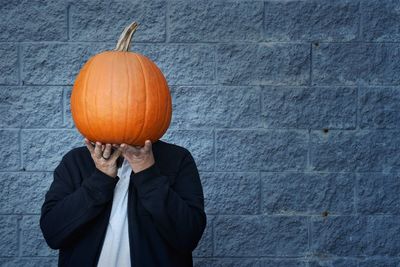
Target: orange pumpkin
(121,96)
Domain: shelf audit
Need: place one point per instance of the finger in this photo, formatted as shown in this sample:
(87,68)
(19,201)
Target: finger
(147,146)
(102,148)
(127,147)
(107,151)
(89,145)
(97,150)
(123,147)
(132,150)
(116,154)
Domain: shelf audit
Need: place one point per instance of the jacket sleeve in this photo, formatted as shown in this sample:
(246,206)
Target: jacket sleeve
(177,210)
(66,209)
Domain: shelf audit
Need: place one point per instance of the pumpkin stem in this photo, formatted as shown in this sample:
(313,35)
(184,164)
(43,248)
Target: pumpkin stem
(125,38)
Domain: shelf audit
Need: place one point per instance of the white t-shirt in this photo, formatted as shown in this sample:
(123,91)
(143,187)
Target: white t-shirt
(115,250)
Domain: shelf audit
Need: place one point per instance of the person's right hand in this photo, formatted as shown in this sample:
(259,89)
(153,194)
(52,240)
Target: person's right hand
(102,157)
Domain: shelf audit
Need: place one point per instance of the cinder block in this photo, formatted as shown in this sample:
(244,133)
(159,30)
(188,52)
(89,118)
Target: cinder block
(34,20)
(309,107)
(266,150)
(216,21)
(8,235)
(231,193)
(355,63)
(355,235)
(307,193)
(31,107)
(378,193)
(182,64)
(104,21)
(23,192)
(260,236)
(263,64)
(200,143)
(311,20)
(380,20)
(8,63)
(363,150)
(378,107)
(10,151)
(43,149)
(215,106)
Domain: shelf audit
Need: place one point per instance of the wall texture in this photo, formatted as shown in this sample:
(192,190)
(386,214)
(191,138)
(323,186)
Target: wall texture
(290,108)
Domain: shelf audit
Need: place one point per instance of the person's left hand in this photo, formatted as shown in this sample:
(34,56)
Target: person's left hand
(140,158)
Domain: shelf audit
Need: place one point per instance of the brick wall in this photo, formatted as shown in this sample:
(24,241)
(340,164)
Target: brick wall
(290,108)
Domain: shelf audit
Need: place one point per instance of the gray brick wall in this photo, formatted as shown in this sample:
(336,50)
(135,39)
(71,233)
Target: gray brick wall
(290,108)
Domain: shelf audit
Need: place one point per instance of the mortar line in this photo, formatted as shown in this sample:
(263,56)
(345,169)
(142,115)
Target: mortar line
(263,32)
(68,22)
(260,95)
(167,22)
(311,63)
(19,243)
(238,172)
(283,257)
(309,236)
(292,86)
(21,162)
(227,42)
(360,20)
(20,82)
(215,63)
(355,194)
(261,194)
(357,107)
(215,150)
(308,163)
(212,235)
(63,105)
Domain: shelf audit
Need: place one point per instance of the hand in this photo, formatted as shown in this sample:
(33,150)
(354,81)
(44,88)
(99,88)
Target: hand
(102,157)
(139,158)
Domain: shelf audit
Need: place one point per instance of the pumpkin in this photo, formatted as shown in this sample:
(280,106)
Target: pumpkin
(121,97)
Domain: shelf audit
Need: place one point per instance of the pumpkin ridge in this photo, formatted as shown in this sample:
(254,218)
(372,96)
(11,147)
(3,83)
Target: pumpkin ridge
(86,98)
(129,102)
(168,110)
(96,113)
(168,106)
(139,136)
(111,98)
(160,80)
(158,98)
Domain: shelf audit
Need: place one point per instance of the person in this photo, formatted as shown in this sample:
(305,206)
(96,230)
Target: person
(122,205)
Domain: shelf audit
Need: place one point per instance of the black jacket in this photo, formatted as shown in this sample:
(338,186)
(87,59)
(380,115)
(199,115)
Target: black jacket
(165,209)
